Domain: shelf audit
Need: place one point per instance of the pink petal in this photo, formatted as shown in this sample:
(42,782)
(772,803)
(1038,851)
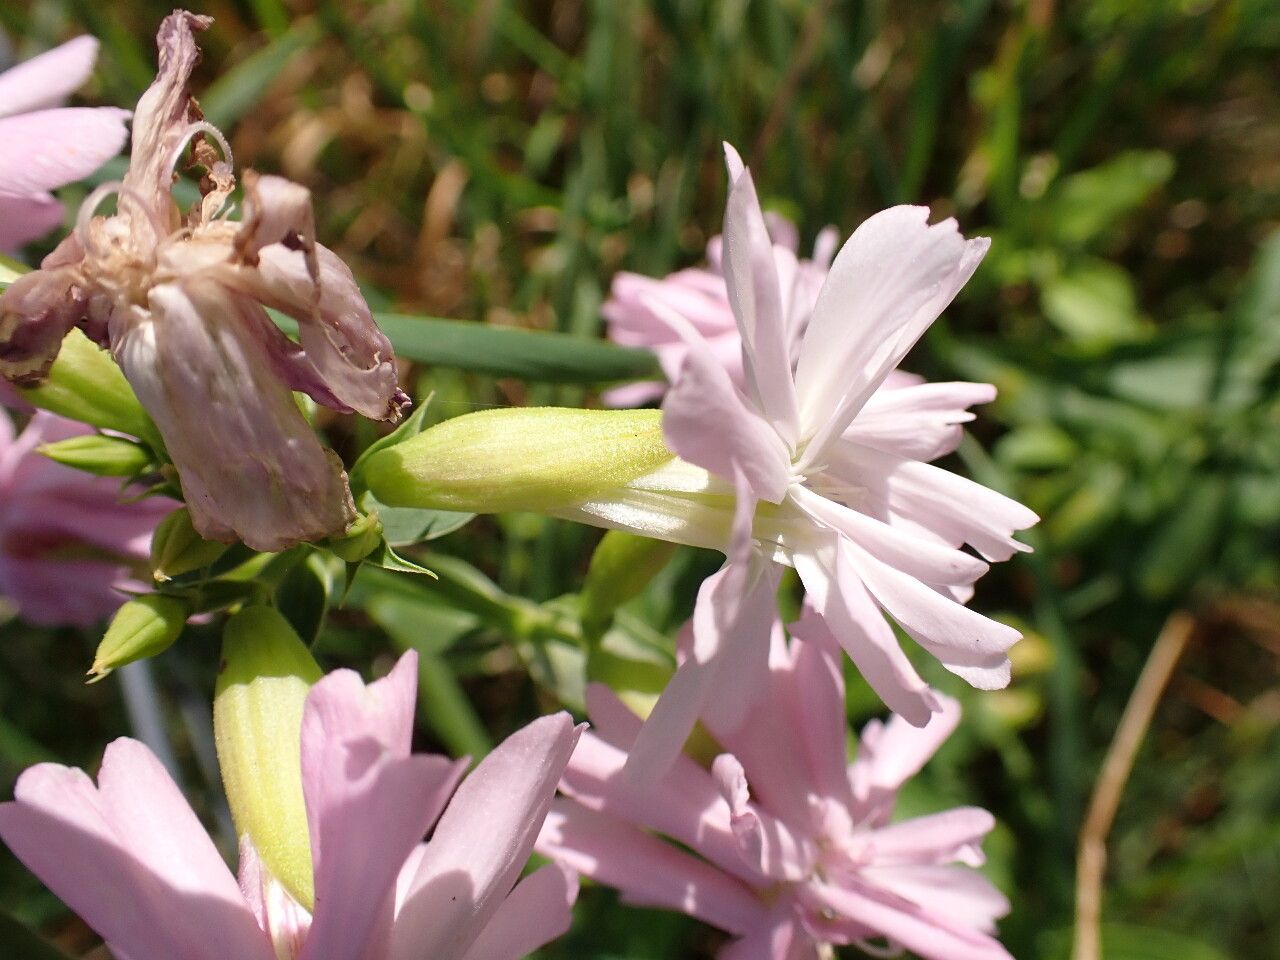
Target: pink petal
(705,421)
(766,844)
(817,687)
(27,217)
(538,910)
(933,936)
(51,148)
(938,838)
(733,620)
(890,754)
(647,871)
(58,592)
(914,557)
(965,642)
(684,804)
(751,277)
(482,841)
(131,859)
(891,280)
(369,803)
(944,505)
(838,596)
(781,937)
(964,896)
(918,422)
(49,78)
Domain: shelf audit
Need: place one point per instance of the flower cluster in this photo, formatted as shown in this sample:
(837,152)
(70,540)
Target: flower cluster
(788,437)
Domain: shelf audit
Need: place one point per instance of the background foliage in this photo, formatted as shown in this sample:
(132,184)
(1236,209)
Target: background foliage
(498,161)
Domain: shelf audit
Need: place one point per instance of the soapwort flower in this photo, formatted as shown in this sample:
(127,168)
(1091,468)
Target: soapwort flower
(784,847)
(130,857)
(44,146)
(69,541)
(181,300)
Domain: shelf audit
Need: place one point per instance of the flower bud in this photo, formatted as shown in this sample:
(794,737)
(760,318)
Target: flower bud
(85,384)
(266,674)
(96,454)
(621,566)
(359,540)
(143,627)
(534,458)
(176,548)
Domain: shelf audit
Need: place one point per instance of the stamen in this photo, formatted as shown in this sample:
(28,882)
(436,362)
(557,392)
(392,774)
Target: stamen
(94,200)
(201,126)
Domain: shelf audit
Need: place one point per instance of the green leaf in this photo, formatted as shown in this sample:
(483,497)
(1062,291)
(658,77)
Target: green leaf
(303,596)
(403,526)
(1085,204)
(510,352)
(388,559)
(237,91)
(429,627)
(1182,547)
(1092,302)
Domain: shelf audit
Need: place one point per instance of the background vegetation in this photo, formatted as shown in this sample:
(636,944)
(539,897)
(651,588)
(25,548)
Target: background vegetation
(498,162)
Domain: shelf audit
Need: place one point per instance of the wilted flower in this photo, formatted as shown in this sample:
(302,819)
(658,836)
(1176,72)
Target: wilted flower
(131,858)
(785,848)
(182,302)
(700,296)
(68,541)
(42,146)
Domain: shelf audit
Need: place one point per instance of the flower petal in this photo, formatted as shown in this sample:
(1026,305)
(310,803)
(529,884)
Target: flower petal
(36,311)
(48,78)
(647,871)
(131,859)
(706,422)
(482,841)
(250,465)
(920,421)
(27,217)
(890,281)
(751,276)
(369,803)
(538,910)
(892,753)
(840,599)
(51,148)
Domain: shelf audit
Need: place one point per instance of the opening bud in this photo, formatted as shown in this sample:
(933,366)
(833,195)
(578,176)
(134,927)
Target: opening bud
(176,548)
(266,674)
(535,458)
(103,456)
(85,384)
(143,627)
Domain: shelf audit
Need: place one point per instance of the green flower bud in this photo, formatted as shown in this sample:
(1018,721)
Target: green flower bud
(142,628)
(176,548)
(534,458)
(257,723)
(621,566)
(359,540)
(104,456)
(85,384)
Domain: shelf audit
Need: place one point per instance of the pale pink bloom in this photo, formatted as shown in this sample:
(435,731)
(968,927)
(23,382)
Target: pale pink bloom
(43,146)
(68,540)
(700,296)
(130,857)
(181,302)
(780,844)
(829,472)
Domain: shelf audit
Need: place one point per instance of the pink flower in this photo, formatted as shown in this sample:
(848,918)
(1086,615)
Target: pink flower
(828,471)
(181,300)
(788,850)
(131,858)
(700,296)
(68,542)
(42,148)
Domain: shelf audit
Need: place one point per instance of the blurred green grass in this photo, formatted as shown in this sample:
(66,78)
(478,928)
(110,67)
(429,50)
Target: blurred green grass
(498,161)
